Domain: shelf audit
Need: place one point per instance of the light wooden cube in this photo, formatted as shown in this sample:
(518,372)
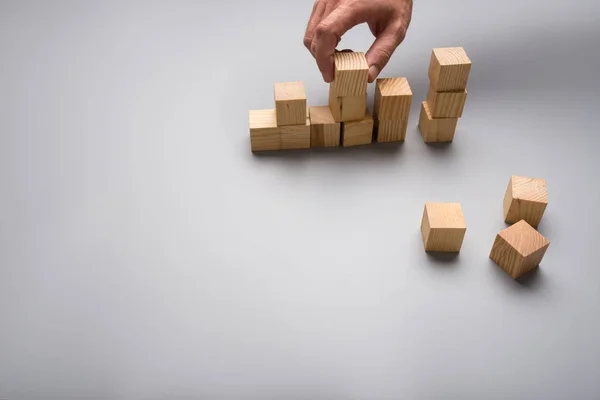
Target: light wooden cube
(525,198)
(393,97)
(518,249)
(347,108)
(290,103)
(443,227)
(446,104)
(296,136)
(351,74)
(324,131)
(264,132)
(356,133)
(390,131)
(449,69)
(436,129)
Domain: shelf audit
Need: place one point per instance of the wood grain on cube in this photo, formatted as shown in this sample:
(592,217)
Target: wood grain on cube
(347,108)
(390,131)
(356,133)
(436,129)
(296,136)
(393,98)
(518,249)
(525,198)
(290,103)
(264,132)
(446,104)
(449,69)
(443,227)
(351,74)
(324,130)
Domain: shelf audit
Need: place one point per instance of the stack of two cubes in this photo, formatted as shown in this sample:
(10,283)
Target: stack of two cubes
(392,106)
(285,127)
(448,74)
(348,98)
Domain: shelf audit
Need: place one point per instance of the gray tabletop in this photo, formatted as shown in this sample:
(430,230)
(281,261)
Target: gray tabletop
(146,253)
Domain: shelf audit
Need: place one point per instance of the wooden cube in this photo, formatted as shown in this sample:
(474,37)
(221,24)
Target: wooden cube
(264,132)
(446,104)
(296,136)
(290,103)
(518,249)
(324,131)
(356,133)
(390,131)
(347,108)
(351,74)
(436,129)
(449,69)
(525,198)
(393,97)
(443,227)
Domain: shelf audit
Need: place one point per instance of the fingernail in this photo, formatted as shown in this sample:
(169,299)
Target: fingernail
(373,72)
(327,76)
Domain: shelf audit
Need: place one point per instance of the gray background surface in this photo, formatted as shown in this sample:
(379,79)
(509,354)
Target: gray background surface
(145,253)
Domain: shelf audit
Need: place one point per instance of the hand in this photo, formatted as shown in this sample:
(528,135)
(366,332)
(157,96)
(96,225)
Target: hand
(330,19)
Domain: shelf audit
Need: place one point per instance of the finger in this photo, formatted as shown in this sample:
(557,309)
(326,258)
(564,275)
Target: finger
(329,7)
(329,33)
(381,51)
(315,18)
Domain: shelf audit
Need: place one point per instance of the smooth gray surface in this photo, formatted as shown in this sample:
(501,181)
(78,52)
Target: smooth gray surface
(145,253)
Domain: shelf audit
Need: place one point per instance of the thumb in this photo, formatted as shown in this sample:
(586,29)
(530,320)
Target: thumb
(382,49)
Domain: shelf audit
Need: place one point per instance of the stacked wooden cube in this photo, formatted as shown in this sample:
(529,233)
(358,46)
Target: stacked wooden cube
(348,98)
(285,127)
(393,98)
(448,74)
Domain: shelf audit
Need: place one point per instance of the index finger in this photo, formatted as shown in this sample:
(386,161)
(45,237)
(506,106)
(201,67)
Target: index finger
(313,22)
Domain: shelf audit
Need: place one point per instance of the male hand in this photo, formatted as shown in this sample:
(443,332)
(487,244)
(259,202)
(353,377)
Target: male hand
(330,19)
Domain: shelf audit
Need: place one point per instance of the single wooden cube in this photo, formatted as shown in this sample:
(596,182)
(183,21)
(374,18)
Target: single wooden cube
(324,131)
(436,129)
(356,133)
(518,249)
(449,69)
(393,97)
(347,108)
(390,131)
(351,74)
(290,103)
(443,227)
(525,198)
(446,104)
(296,136)
(264,132)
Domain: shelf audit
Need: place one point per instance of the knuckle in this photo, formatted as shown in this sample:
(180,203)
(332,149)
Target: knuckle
(399,29)
(307,41)
(323,30)
(383,55)
(400,34)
